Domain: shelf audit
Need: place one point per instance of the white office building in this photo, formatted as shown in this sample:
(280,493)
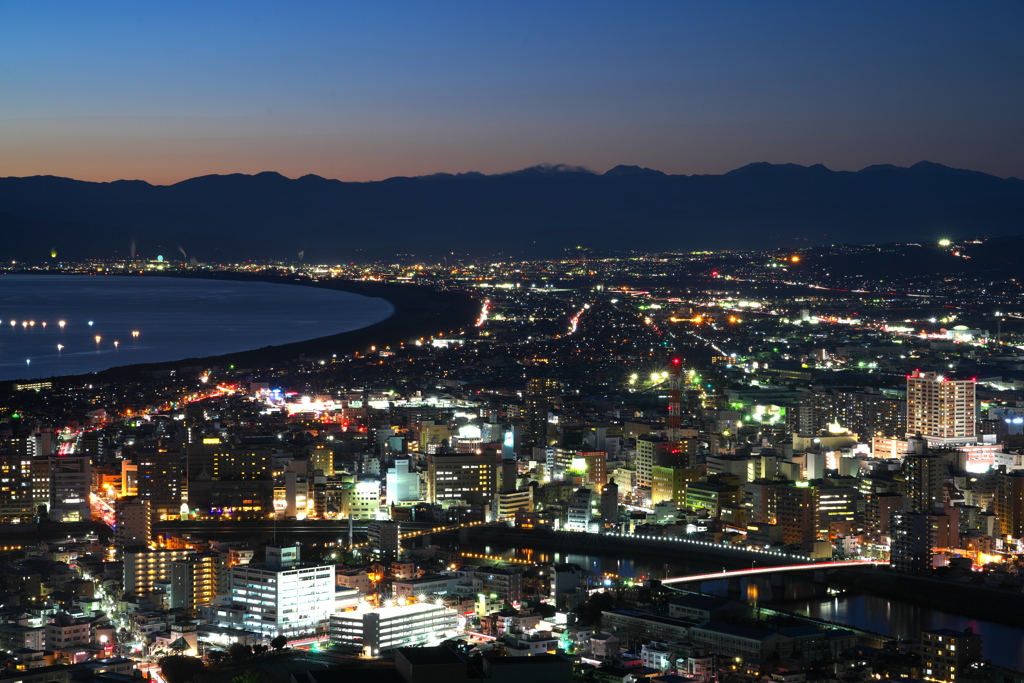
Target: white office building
(374,632)
(403,483)
(281,596)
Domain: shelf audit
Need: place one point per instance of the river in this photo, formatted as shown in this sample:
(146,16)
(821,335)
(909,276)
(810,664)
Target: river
(1001,643)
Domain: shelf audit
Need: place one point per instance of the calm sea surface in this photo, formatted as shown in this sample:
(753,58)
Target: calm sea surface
(1003,644)
(174,318)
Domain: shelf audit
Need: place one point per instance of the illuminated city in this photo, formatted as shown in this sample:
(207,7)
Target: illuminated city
(512,342)
(763,437)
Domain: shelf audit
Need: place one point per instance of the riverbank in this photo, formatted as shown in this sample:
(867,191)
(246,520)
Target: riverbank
(964,598)
(967,599)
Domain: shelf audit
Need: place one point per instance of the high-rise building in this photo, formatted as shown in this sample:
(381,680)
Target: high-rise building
(145,568)
(16,501)
(1009,503)
(940,409)
(924,475)
(133,522)
(759,501)
(70,483)
(461,476)
(796,511)
(878,512)
(197,579)
(910,548)
(610,503)
(836,508)
(159,480)
(281,596)
(539,395)
(864,413)
(385,539)
(321,457)
(241,458)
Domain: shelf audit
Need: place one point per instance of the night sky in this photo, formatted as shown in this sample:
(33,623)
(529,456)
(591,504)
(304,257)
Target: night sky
(363,91)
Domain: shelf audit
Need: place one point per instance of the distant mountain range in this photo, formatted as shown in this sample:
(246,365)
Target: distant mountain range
(533,212)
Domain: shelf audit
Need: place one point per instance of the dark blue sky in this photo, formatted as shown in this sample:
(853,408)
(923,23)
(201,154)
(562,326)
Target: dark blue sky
(363,91)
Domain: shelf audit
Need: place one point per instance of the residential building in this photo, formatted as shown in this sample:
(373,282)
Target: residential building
(864,413)
(385,539)
(1009,503)
(941,409)
(133,522)
(197,579)
(945,654)
(145,568)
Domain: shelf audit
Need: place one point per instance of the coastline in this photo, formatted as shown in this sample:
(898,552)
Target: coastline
(419,311)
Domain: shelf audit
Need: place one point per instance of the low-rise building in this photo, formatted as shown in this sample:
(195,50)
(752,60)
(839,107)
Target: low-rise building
(374,632)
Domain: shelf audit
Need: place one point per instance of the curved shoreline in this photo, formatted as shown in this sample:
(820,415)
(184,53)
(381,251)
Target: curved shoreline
(419,311)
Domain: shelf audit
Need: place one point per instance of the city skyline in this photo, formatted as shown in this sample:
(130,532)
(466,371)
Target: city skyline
(369,93)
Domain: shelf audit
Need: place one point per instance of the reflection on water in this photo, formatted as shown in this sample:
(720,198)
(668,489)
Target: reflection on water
(1002,644)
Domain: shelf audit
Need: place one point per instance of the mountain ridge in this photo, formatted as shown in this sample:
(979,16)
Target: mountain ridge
(539,210)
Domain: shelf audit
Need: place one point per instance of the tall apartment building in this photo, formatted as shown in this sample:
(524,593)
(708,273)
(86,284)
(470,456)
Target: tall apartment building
(133,519)
(945,654)
(70,485)
(159,478)
(539,396)
(282,596)
(144,568)
(462,476)
(864,413)
(1009,503)
(924,475)
(321,457)
(197,579)
(759,501)
(16,500)
(385,538)
(796,511)
(940,409)
(911,545)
